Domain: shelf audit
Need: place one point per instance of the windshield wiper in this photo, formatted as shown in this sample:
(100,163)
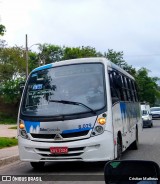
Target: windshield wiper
(73,103)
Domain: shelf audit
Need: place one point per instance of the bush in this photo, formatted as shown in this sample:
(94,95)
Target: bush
(7,142)
(5,119)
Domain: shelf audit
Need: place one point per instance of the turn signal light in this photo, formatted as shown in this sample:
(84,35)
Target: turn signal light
(101,121)
(21,126)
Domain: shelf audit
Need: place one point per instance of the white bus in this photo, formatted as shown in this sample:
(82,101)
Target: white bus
(78,110)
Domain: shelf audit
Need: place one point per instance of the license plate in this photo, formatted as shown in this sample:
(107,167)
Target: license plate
(59,150)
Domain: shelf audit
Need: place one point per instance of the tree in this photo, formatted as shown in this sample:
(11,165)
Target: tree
(53,53)
(147,86)
(2,29)
(117,58)
(157,103)
(12,67)
(12,63)
(3,44)
(50,53)
(33,61)
(80,52)
(9,91)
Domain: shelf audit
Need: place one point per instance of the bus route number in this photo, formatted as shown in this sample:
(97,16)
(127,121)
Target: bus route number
(87,125)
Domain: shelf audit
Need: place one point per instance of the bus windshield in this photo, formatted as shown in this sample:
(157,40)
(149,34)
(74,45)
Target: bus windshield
(82,83)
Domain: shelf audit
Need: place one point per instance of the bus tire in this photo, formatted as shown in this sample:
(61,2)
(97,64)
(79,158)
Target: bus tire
(134,145)
(119,148)
(37,165)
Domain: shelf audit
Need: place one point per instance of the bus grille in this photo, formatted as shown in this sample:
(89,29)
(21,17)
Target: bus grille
(51,136)
(69,149)
(72,153)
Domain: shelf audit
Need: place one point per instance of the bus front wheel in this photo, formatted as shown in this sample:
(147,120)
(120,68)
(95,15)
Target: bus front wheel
(37,165)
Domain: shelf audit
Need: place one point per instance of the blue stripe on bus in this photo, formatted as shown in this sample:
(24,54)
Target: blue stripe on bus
(29,124)
(123,110)
(43,67)
(75,130)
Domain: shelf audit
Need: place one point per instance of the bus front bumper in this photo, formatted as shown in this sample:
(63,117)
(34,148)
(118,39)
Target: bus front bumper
(97,148)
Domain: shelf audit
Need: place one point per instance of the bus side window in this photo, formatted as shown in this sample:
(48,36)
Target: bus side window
(119,85)
(129,89)
(135,91)
(125,89)
(121,88)
(114,92)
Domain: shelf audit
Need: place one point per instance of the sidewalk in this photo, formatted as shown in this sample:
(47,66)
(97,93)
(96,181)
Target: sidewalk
(10,154)
(5,132)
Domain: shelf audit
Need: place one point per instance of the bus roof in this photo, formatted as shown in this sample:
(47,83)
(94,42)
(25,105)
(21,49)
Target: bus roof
(84,60)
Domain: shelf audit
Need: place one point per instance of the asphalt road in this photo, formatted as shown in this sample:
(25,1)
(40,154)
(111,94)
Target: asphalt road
(149,149)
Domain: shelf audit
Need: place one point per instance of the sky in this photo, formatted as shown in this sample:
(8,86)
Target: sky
(131,26)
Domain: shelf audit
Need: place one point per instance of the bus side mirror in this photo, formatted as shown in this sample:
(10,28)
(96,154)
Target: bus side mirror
(131,171)
(21,87)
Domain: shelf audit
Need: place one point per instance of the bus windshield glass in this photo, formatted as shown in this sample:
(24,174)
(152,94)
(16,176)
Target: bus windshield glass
(83,83)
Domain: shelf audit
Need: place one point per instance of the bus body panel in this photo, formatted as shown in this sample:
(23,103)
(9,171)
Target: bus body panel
(126,117)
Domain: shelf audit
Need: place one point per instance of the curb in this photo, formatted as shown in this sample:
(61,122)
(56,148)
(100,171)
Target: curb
(8,160)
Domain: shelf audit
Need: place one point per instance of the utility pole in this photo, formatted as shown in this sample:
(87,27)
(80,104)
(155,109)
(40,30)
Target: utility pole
(26,56)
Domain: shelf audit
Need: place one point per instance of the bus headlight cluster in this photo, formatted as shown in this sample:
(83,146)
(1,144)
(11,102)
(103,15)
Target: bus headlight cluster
(22,130)
(99,126)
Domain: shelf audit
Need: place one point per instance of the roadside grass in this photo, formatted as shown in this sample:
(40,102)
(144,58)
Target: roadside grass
(13,127)
(8,142)
(7,120)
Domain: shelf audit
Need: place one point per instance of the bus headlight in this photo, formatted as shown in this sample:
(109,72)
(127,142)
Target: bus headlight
(99,129)
(100,125)
(24,134)
(22,130)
